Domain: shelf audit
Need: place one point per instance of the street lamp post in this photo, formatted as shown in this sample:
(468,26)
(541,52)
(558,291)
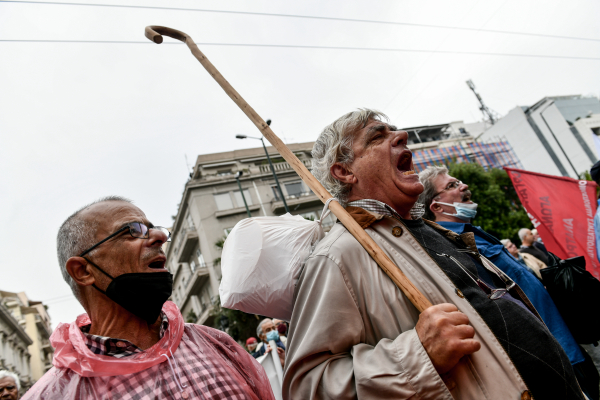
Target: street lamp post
(237,178)
(287,210)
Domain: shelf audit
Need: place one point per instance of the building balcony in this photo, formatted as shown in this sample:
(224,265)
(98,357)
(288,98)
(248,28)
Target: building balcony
(238,210)
(282,167)
(205,315)
(190,241)
(43,325)
(198,279)
(295,202)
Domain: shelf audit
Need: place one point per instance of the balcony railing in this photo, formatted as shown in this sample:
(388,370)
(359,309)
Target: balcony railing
(282,166)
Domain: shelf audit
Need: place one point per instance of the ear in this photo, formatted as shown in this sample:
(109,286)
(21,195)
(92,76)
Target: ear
(435,208)
(343,174)
(78,268)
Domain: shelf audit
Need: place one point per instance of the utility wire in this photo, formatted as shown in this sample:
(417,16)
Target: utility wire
(57,298)
(310,47)
(306,17)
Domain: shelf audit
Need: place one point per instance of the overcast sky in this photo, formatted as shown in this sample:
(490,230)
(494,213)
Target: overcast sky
(79,121)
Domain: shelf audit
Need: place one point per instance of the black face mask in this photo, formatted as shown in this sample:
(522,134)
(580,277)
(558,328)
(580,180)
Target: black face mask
(141,293)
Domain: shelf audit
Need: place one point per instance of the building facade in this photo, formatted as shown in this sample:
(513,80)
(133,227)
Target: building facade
(557,135)
(14,344)
(212,202)
(35,322)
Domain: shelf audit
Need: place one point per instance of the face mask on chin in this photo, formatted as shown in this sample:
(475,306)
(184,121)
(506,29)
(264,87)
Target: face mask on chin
(464,211)
(141,293)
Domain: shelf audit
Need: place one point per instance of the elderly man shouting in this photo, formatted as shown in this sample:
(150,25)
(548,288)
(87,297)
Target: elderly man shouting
(132,343)
(354,335)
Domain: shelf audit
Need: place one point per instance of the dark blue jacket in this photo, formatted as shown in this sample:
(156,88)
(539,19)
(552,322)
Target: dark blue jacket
(263,348)
(492,249)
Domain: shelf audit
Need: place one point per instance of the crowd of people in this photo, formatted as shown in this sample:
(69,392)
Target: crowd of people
(493,331)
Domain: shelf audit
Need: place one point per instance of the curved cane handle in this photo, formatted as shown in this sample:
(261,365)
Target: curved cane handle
(155,32)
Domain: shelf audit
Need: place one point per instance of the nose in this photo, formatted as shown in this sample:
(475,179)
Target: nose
(400,138)
(463,187)
(156,237)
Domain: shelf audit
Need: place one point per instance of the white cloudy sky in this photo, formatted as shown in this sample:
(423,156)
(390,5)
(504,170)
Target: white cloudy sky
(79,121)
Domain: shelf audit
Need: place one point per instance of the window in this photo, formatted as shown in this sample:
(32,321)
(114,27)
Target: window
(294,189)
(275,192)
(238,198)
(201,261)
(224,172)
(193,265)
(223,201)
(178,241)
(190,221)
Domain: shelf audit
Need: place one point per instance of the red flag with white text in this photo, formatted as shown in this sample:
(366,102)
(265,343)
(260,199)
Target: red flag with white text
(562,210)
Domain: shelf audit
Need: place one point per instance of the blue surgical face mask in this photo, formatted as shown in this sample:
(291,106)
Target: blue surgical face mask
(464,211)
(272,335)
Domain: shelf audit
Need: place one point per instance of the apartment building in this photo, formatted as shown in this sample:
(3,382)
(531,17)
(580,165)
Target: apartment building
(558,135)
(35,322)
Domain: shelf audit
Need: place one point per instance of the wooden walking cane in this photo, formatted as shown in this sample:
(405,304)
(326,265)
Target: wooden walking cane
(396,275)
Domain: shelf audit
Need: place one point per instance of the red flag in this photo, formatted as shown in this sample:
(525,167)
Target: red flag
(562,209)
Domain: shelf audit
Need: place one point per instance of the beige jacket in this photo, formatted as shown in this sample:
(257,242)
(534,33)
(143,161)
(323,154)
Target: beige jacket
(352,330)
(534,263)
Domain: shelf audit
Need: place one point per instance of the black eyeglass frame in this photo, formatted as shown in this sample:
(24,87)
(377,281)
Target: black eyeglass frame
(128,226)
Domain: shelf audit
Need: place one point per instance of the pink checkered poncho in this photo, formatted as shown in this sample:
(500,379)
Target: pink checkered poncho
(188,362)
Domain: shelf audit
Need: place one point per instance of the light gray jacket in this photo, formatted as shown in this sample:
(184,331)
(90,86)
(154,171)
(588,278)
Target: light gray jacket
(352,330)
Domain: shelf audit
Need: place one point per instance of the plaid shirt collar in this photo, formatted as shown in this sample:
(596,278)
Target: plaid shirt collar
(381,208)
(376,206)
(118,348)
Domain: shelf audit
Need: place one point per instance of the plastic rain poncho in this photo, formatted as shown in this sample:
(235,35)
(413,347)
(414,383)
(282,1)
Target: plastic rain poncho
(188,362)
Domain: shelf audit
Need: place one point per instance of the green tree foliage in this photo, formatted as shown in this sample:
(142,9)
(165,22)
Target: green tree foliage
(238,324)
(500,212)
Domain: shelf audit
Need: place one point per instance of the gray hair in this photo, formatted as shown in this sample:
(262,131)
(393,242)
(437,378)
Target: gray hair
(8,374)
(259,330)
(522,233)
(76,235)
(427,176)
(334,145)
(505,242)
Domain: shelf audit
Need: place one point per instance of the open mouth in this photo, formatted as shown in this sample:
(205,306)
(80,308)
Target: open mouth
(158,264)
(405,163)
(466,196)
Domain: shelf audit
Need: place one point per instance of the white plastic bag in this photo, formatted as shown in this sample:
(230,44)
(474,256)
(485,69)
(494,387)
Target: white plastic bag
(261,262)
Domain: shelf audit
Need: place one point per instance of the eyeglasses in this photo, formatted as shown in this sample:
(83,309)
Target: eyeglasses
(492,294)
(450,186)
(136,229)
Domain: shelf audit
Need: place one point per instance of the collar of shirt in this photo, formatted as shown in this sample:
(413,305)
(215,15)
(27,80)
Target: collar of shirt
(458,227)
(118,348)
(376,206)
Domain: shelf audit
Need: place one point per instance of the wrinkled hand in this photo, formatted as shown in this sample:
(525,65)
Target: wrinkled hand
(280,353)
(446,336)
